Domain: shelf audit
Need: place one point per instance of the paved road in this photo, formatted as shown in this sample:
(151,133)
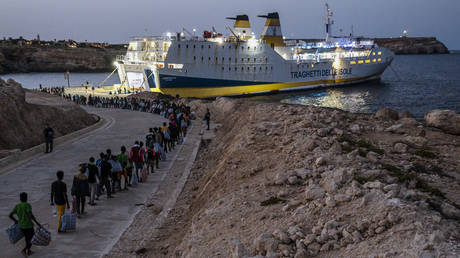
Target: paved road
(100,228)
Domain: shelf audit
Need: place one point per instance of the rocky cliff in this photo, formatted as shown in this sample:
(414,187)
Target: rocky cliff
(24,114)
(300,181)
(407,45)
(18,59)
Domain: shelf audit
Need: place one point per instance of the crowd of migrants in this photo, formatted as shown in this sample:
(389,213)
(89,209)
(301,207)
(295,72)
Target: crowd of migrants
(110,172)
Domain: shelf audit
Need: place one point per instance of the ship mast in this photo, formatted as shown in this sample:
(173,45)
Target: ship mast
(329,22)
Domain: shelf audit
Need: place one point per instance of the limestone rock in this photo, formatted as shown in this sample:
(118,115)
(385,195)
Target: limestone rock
(446,120)
(400,147)
(313,192)
(281,236)
(387,114)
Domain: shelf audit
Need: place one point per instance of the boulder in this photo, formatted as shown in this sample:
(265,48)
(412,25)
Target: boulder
(303,173)
(400,147)
(281,236)
(387,114)
(405,114)
(293,180)
(373,185)
(314,192)
(265,243)
(446,120)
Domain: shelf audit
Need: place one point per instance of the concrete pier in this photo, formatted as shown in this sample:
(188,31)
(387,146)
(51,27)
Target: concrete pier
(101,227)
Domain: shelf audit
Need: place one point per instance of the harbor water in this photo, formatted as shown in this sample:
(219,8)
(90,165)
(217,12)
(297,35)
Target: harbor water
(416,83)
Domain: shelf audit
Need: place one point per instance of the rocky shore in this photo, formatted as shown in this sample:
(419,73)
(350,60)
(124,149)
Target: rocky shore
(24,115)
(23,59)
(300,181)
(414,46)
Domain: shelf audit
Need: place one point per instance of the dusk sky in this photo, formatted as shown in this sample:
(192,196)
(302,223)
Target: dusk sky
(115,21)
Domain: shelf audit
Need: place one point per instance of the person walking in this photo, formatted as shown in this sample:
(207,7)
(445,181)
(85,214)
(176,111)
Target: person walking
(106,171)
(80,189)
(25,220)
(92,181)
(123,159)
(207,117)
(59,197)
(49,136)
(136,157)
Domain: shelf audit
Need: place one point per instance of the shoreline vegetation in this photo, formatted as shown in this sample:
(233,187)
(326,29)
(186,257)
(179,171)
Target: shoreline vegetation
(23,56)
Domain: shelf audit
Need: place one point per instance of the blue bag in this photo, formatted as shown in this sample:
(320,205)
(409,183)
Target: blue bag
(69,221)
(14,233)
(135,180)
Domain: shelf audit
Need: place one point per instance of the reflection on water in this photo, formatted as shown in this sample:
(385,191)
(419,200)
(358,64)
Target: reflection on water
(417,84)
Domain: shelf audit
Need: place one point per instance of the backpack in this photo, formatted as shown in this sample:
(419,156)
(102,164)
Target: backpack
(150,154)
(135,154)
(166,134)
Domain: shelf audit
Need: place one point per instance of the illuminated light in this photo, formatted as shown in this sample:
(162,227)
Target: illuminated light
(352,62)
(380,53)
(252,42)
(374,60)
(115,63)
(360,62)
(168,34)
(380,59)
(368,61)
(220,40)
(373,53)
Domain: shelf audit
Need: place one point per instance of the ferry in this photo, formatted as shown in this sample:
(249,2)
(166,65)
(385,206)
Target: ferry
(212,65)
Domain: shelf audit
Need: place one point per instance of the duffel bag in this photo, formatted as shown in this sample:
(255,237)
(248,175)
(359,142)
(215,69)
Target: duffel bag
(42,237)
(69,221)
(14,233)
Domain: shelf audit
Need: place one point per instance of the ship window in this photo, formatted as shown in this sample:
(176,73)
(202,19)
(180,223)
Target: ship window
(249,59)
(248,68)
(255,60)
(255,68)
(223,59)
(368,61)
(266,60)
(223,47)
(352,62)
(229,68)
(209,46)
(266,68)
(235,68)
(255,48)
(193,46)
(178,46)
(216,61)
(229,47)
(360,61)
(249,48)
(202,46)
(186,46)
(202,58)
(194,58)
(380,59)
(242,60)
(229,59)
(242,48)
(209,59)
(260,68)
(222,68)
(242,69)
(271,67)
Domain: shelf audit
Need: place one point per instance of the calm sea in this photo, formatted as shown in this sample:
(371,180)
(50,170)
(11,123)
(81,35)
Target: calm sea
(416,83)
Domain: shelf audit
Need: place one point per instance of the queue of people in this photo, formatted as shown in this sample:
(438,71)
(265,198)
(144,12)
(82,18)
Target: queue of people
(110,173)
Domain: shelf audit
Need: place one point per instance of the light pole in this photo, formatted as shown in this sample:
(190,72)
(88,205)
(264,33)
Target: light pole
(67,76)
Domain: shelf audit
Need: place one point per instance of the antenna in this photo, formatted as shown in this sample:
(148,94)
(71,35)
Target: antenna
(329,22)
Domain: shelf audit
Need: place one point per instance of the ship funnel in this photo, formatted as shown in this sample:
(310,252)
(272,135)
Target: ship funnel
(241,28)
(272,30)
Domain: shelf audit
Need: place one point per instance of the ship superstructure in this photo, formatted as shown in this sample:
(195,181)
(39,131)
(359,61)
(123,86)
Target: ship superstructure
(209,66)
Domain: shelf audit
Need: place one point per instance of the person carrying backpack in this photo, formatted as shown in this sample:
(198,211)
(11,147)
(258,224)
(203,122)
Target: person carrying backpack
(149,139)
(80,189)
(137,158)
